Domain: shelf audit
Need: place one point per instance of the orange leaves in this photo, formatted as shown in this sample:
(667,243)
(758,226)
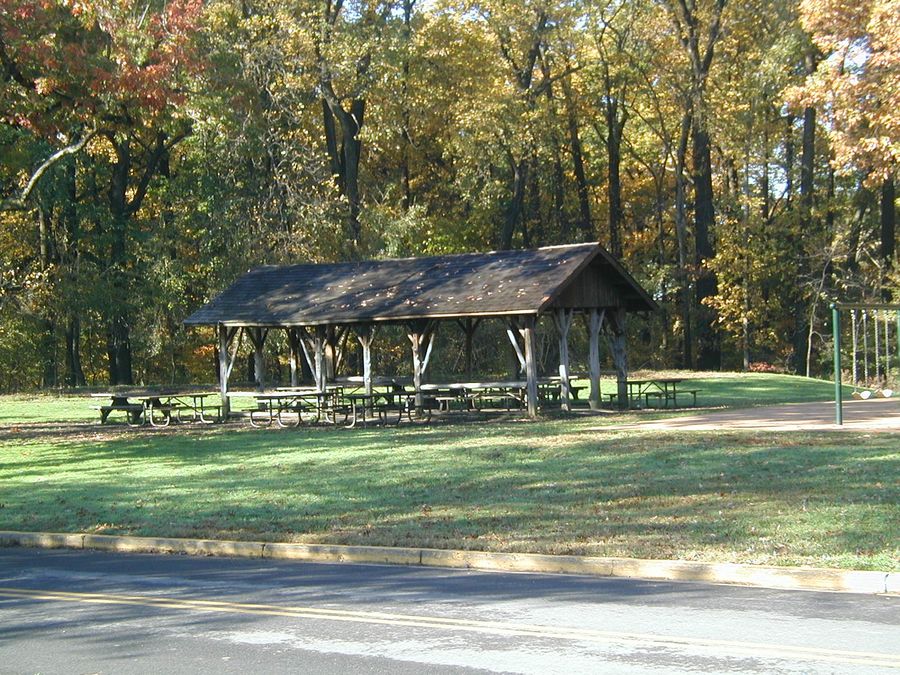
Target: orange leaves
(74,59)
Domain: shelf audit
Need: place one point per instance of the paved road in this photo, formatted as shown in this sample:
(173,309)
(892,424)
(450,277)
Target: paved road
(82,611)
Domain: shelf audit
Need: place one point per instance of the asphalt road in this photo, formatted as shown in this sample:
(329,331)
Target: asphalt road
(91,612)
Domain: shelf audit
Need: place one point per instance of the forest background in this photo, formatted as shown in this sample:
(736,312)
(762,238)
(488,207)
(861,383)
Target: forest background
(740,157)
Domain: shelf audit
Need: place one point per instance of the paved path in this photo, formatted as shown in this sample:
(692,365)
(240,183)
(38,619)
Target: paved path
(78,611)
(871,415)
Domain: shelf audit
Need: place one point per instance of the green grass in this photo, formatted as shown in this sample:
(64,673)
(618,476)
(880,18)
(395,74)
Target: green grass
(30,408)
(577,485)
(560,486)
(716,389)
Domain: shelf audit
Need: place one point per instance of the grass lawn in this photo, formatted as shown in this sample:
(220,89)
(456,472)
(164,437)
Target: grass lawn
(716,389)
(556,486)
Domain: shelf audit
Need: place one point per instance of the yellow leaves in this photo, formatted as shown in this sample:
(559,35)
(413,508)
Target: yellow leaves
(857,84)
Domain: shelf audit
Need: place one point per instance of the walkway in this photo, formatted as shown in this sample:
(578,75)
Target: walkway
(871,415)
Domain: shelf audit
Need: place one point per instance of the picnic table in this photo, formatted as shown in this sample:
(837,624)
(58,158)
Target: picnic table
(384,407)
(158,408)
(474,395)
(551,387)
(662,390)
(287,406)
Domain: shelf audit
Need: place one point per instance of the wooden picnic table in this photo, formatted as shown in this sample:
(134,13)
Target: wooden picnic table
(287,406)
(142,406)
(664,390)
(475,394)
(383,407)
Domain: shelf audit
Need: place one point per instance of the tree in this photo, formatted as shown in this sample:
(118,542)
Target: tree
(699,28)
(81,72)
(854,86)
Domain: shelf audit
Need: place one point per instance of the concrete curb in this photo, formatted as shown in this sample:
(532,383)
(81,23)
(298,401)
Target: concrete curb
(797,578)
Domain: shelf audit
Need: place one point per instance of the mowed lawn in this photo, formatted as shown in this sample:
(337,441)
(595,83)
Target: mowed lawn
(560,485)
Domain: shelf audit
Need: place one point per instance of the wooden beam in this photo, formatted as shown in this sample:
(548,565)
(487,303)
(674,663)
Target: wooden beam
(294,347)
(469,326)
(594,324)
(620,356)
(232,357)
(319,367)
(528,332)
(563,320)
(513,332)
(314,342)
(226,362)
(429,343)
(421,336)
(258,338)
(331,349)
(366,336)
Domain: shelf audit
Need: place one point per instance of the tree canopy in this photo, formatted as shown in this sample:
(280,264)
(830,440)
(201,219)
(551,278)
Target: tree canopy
(740,158)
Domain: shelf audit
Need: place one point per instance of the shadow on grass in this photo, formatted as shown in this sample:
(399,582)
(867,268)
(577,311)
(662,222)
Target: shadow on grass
(516,487)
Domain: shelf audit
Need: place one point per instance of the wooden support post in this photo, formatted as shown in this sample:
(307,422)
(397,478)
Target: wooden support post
(365,336)
(226,363)
(563,320)
(294,346)
(223,370)
(421,335)
(258,338)
(513,332)
(320,362)
(469,326)
(331,348)
(620,356)
(315,343)
(594,324)
(531,366)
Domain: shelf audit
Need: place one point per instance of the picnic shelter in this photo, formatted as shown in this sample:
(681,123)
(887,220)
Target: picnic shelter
(320,304)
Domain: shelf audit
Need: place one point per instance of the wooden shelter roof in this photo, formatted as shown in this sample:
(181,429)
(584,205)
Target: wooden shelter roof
(471,284)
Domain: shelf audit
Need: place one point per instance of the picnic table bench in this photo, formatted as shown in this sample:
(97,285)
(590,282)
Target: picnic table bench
(662,390)
(382,407)
(157,408)
(290,406)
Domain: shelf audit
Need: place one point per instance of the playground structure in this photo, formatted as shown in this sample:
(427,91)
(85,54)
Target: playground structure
(874,354)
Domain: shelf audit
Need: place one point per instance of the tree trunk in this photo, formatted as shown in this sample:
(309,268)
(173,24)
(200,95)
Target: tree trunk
(807,183)
(585,224)
(863,200)
(49,368)
(789,159)
(345,158)
(888,221)
(709,355)
(405,115)
(615,126)
(682,236)
(516,205)
(74,373)
(74,376)
(662,258)
(118,332)
(352,153)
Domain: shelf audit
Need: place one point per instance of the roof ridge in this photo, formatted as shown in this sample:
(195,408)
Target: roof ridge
(515,281)
(426,257)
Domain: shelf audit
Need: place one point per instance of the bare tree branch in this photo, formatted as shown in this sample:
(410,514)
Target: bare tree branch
(20,203)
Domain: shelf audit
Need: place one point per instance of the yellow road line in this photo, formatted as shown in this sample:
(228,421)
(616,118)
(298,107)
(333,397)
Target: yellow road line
(731,647)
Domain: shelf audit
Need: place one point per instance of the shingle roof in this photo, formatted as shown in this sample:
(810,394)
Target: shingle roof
(469,284)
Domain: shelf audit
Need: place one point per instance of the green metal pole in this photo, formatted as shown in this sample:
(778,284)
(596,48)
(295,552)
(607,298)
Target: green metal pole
(836,331)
